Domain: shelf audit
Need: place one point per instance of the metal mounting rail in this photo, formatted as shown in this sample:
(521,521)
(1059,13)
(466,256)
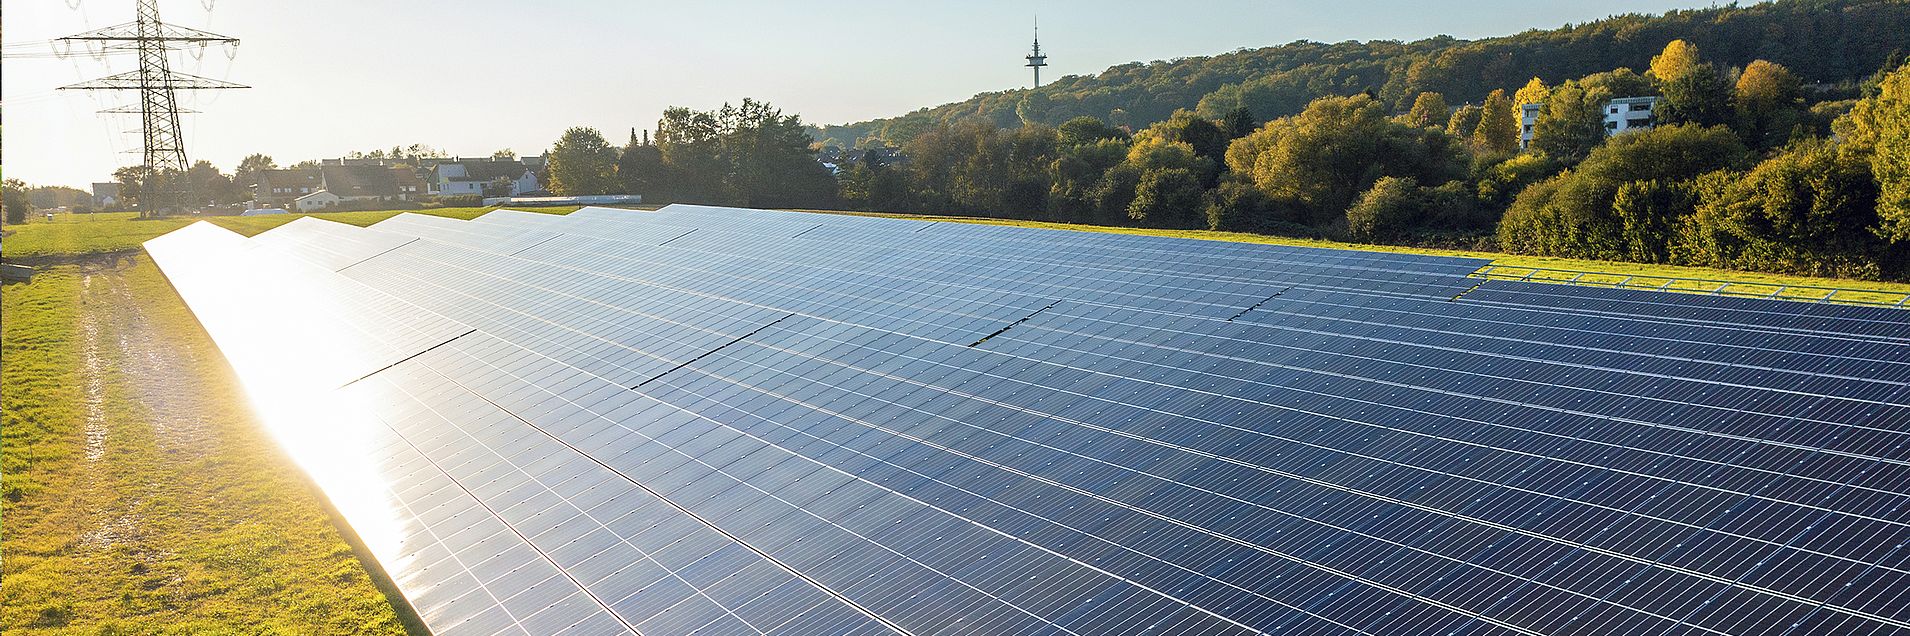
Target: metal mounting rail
(1706,286)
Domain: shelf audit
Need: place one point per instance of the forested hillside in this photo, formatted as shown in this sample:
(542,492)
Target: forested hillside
(1826,43)
(1773,138)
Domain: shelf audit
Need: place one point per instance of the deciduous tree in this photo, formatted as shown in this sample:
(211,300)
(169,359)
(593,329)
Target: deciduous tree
(1498,130)
(1429,109)
(581,162)
(1700,95)
(1769,103)
(1877,130)
(1677,58)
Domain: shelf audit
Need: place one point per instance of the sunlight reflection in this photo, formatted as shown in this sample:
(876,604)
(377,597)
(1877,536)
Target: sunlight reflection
(296,333)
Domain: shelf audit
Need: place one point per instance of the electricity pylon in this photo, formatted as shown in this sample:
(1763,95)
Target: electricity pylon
(163,147)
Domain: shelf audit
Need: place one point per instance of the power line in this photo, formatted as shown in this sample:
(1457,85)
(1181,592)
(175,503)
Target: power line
(163,147)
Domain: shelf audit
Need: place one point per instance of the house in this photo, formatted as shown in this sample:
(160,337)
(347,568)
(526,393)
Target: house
(105,195)
(1629,113)
(470,177)
(411,185)
(317,201)
(1623,114)
(281,187)
(340,183)
(357,183)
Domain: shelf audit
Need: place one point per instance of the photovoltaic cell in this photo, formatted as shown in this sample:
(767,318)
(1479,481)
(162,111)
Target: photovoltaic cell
(739,421)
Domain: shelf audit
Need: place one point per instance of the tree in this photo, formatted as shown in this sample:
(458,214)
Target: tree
(206,184)
(1075,176)
(1573,214)
(1384,210)
(13,197)
(640,170)
(1646,210)
(1464,121)
(1701,95)
(687,141)
(581,162)
(1429,109)
(1806,210)
(58,197)
(246,174)
(1238,122)
(1086,130)
(131,180)
(1238,206)
(1572,122)
(1677,58)
(1769,103)
(1534,92)
(1323,158)
(1877,131)
(504,154)
(1206,138)
(769,159)
(1620,82)
(1497,183)
(869,183)
(1168,197)
(975,167)
(152,193)
(740,154)
(1498,130)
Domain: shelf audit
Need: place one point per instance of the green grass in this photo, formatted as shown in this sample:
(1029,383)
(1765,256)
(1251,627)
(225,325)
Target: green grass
(140,494)
(82,234)
(1681,278)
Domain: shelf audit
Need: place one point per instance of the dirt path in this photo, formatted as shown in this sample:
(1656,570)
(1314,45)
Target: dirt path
(115,337)
(164,377)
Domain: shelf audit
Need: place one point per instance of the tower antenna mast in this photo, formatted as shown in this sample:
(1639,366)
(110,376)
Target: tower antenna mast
(163,147)
(1036,60)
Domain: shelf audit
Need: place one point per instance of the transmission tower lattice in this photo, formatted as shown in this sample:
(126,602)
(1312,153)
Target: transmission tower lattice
(163,147)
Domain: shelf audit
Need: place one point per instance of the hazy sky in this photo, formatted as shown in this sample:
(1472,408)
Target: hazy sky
(472,76)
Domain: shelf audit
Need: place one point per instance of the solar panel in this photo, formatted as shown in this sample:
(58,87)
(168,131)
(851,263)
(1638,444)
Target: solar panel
(736,421)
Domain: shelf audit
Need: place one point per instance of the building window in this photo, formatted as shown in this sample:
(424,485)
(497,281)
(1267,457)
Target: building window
(1611,125)
(1639,107)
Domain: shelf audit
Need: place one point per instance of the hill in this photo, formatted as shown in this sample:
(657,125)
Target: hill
(1830,44)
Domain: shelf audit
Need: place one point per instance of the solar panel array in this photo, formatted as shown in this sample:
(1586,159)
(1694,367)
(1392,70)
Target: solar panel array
(726,421)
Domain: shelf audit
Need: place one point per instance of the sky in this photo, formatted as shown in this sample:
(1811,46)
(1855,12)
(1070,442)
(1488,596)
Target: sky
(474,76)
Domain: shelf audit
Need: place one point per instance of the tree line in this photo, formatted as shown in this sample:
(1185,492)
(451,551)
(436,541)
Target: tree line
(1742,170)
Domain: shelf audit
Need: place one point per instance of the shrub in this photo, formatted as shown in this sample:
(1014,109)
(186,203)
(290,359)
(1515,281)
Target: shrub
(1386,210)
(1808,210)
(1574,213)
